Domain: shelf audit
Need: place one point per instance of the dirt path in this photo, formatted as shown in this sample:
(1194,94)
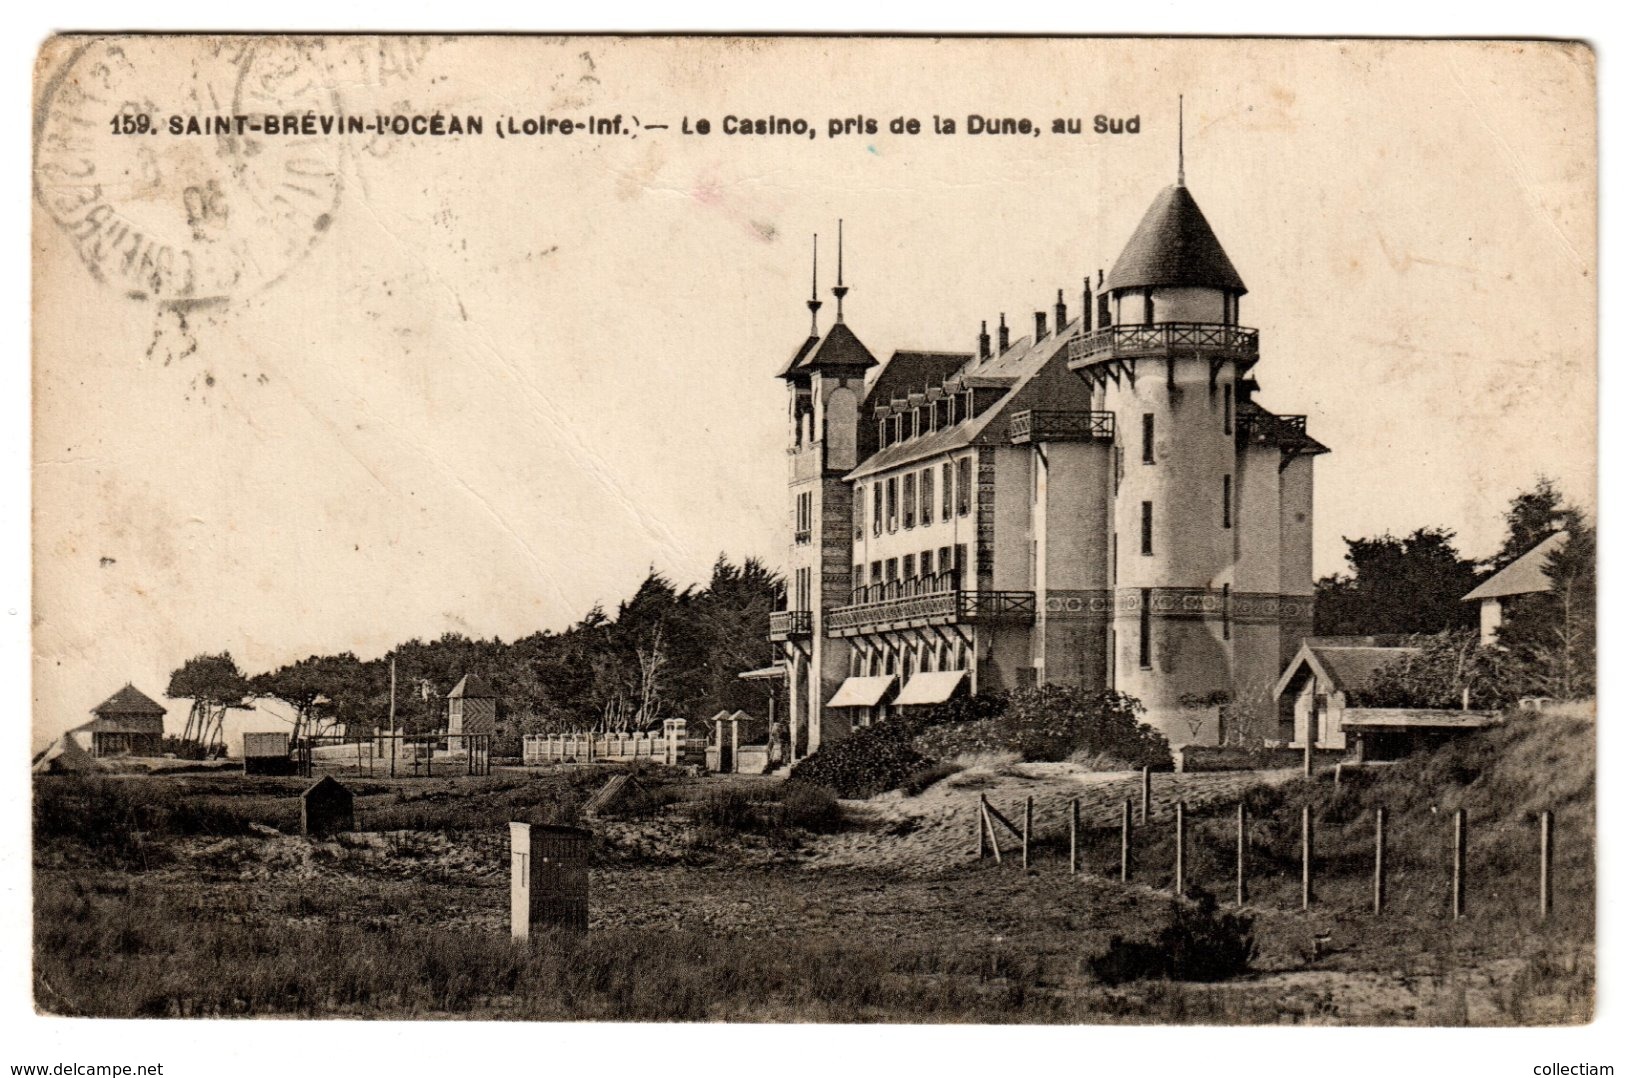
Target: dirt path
(936,830)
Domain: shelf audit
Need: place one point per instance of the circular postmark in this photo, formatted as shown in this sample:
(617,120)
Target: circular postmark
(176,212)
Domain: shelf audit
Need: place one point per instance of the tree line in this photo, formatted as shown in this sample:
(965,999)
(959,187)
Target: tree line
(664,652)
(1409,589)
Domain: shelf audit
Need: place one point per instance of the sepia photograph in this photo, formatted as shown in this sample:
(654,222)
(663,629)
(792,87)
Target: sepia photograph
(814,529)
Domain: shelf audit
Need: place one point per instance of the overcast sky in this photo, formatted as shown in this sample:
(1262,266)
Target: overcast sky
(509,377)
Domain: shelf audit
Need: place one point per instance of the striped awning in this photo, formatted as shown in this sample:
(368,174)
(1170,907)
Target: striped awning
(862,691)
(930,688)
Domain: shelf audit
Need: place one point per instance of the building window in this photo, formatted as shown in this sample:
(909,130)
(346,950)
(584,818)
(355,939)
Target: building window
(947,490)
(891,504)
(1117,471)
(1145,628)
(878,504)
(926,568)
(1145,527)
(964,485)
(960,564)
(1226,600)
(891,569)
(857,514)
(950,419)
(885,430)
(1114,559)
(804,517)
(1229,426)
(857,577)
(908,567)
(927,494)
(910,501)
(1148,438)
(874,573)
(1150,307)
(1226,512)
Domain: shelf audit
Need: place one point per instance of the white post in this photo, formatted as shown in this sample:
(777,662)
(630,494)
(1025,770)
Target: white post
(520,866)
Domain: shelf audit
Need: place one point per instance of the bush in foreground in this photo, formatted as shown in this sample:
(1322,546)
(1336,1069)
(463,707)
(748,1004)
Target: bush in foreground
(1199,944)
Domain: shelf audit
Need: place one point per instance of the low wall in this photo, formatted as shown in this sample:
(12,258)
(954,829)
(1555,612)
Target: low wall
(579,748)
(1232,758)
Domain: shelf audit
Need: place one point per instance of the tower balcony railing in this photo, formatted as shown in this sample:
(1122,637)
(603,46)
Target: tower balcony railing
(1208,340)
(789,624)
(1044,425)
(905,607)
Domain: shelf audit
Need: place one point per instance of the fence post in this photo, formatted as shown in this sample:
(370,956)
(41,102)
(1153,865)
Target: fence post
(981,828)
(1145,794)
(1308,857)
(1379,879)
(1125,869)
(1027,834)
(1179,849)
(1545,864)
(1458,874)
(1074,833)
(1241,855)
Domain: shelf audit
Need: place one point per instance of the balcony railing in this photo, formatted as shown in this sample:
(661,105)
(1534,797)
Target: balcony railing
(1271,429)
(1206,339)
(1055,426)
(932,608)
(788,624)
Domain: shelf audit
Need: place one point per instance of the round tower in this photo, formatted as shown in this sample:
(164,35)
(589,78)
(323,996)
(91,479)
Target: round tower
(1167,363)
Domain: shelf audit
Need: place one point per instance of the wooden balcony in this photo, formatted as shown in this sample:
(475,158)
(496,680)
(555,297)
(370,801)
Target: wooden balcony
(1289,433)
(1205,340)
(925,608)
(1039,425)
(789,624)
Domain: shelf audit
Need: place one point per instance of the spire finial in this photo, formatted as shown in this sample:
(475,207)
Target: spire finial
(1182,140)
(840,269)
(813,304)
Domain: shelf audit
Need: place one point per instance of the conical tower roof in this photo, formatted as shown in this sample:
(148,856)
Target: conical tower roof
(1174,247)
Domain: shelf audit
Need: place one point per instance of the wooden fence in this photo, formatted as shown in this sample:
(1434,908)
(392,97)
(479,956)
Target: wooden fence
(396,755)
(990,821)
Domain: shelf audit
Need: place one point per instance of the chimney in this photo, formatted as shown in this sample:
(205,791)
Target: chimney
(1060,310)
(1105,308)
(984,345)
(1040,329)
(1088,307)
(1004,335)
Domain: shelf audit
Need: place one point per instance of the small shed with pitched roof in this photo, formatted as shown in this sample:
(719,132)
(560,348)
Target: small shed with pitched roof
(471,708)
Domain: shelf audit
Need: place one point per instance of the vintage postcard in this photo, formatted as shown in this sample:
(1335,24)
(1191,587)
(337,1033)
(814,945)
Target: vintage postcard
(815,529)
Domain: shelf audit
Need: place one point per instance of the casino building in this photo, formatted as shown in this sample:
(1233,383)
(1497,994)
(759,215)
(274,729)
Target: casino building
(1099,502)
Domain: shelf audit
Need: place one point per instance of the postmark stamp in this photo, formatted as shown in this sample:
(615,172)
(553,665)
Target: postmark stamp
(188,221)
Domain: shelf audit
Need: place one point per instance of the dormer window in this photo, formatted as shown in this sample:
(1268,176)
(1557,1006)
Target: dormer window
(948,400)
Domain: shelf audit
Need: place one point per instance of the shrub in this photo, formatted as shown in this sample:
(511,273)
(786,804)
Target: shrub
(813,808)
(1053,722)
(183,749)
(1199,944)
(727,808)
(869,761)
